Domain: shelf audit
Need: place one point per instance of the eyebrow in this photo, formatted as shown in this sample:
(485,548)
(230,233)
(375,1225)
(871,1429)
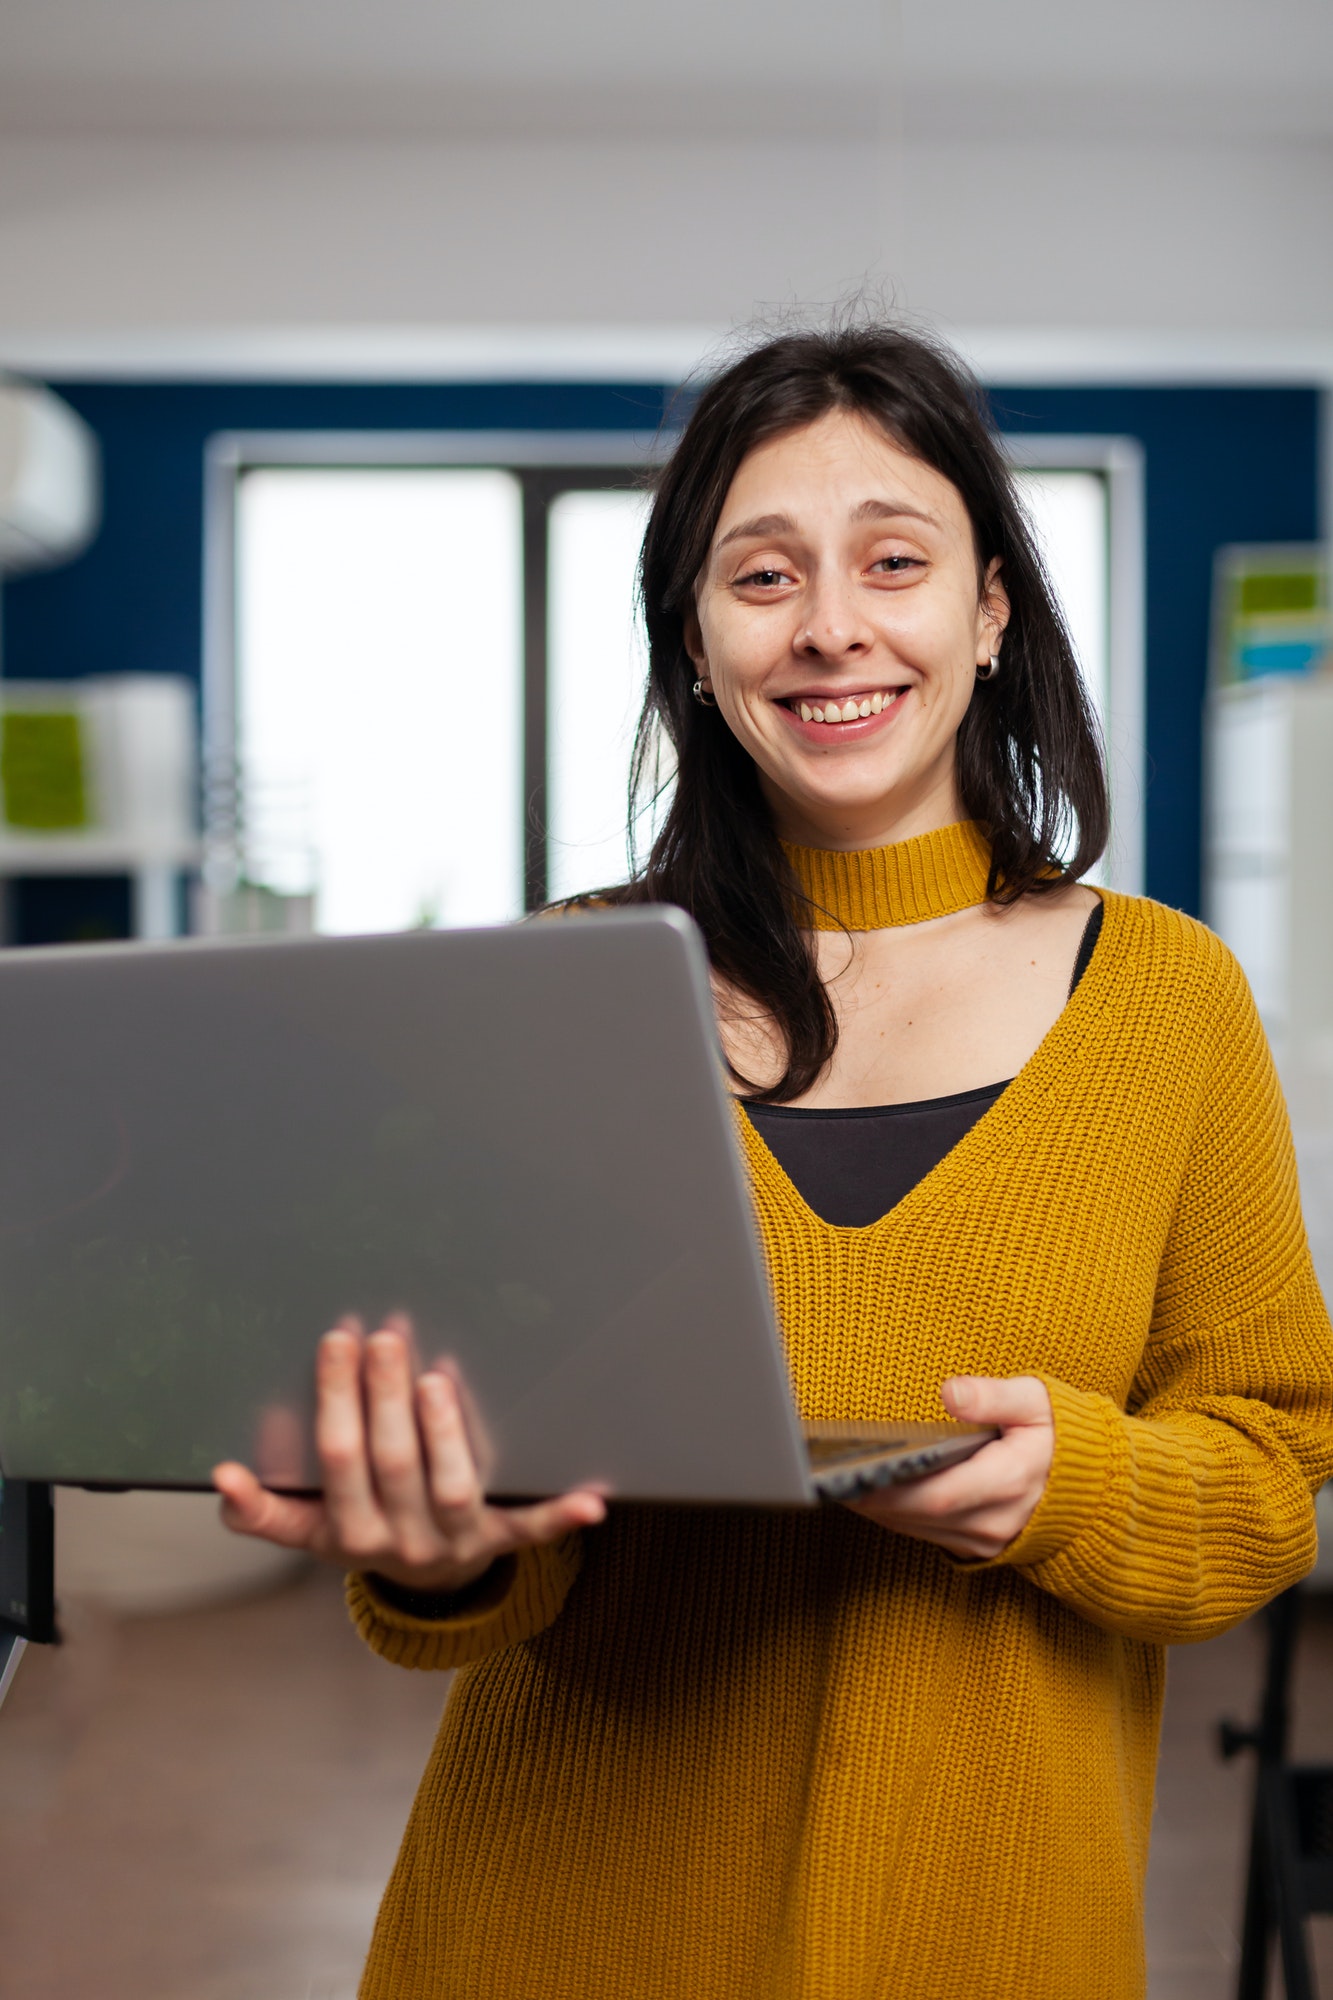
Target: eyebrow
(782,524)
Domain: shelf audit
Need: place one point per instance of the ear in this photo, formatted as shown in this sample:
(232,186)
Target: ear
(992,612)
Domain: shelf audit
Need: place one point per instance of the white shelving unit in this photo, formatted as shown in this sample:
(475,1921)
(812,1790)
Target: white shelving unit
(154,873)
(1268,892)
(138,732)
(1267,848)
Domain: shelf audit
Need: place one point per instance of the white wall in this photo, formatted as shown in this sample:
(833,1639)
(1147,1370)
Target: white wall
(213,248)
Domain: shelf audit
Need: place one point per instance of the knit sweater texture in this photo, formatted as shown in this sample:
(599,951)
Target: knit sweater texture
(739,1754)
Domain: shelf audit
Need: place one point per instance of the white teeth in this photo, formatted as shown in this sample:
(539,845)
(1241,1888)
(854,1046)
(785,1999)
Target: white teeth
(850,710)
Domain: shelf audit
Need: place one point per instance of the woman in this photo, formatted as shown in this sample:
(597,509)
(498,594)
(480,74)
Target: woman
(1013,1144)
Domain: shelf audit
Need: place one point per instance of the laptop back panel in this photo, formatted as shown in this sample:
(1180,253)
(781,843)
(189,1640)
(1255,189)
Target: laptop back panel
(211,1152)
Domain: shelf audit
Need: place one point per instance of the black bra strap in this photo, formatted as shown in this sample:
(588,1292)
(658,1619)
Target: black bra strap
(1087,944)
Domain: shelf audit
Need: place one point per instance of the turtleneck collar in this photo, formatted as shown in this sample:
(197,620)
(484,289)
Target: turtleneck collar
(870,890)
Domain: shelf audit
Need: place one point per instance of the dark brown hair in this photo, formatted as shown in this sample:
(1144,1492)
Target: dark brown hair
(1029,759)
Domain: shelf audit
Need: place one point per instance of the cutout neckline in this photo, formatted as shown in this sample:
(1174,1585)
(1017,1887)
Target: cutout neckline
(1000,1121)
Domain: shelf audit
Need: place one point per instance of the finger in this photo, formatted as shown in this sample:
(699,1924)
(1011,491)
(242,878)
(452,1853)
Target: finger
(479,1442)
(991,1477)
(454,1483)
(1010,1401)
(975,1508)
(396,1461)
(550,1519)
(340,1441)
(250,1509)
(401,1323)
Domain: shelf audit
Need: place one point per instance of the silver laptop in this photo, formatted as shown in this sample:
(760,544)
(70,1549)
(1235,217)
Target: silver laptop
(212,1151)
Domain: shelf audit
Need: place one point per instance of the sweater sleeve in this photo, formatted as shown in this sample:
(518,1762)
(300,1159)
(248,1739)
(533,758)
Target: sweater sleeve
(520,1597)
(1175,1517)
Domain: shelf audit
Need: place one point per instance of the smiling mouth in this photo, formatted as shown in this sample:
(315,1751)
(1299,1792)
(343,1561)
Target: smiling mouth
(851,708)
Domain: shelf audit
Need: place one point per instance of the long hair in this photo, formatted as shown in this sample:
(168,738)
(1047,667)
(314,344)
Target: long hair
(1029,761)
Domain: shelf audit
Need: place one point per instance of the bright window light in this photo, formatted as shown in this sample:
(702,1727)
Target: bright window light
(598,665)
(1069,512)
(380,692)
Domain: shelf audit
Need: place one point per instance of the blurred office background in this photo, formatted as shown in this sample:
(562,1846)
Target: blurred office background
(336,347)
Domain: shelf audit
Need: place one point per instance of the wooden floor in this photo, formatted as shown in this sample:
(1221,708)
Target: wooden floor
(205,1807)
(1200,1829)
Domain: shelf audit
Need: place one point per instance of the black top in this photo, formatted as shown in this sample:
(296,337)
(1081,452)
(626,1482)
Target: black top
(851,1167)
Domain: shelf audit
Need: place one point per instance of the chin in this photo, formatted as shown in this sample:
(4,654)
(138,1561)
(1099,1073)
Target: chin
(856,780)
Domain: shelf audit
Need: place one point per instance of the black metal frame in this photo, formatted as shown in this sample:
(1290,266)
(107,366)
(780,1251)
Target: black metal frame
(541,486)
(27,1562)
(1289,1875)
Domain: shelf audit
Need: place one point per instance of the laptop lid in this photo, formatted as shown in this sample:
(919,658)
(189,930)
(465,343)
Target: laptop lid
(210,1151)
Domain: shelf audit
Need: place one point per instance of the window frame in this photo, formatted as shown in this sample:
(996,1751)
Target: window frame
(1120,462)
(545,464)
(549,463)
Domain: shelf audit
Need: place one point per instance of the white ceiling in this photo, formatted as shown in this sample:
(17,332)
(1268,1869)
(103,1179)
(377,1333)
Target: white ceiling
(781,68)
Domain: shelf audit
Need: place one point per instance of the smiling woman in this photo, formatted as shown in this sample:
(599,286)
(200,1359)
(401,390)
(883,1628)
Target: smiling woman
(1016,1148)
(848,533)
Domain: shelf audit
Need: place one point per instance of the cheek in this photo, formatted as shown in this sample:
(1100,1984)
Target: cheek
(934,631)
(740,650)
(939,641)
(954,698)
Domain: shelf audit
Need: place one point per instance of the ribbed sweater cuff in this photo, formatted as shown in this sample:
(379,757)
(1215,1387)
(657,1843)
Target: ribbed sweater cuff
(1085,1426)
(521,1596)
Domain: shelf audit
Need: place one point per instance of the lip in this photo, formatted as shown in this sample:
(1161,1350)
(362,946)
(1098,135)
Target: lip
(829,734)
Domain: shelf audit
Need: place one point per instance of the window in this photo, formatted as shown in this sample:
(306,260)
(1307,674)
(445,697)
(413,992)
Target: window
(1069,512)
(425,662)
(379,692)
(598,662)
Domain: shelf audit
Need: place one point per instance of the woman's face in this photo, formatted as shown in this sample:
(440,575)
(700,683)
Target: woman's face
(842,583)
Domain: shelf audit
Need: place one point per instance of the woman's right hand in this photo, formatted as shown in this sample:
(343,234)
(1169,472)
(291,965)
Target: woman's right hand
(402,1496)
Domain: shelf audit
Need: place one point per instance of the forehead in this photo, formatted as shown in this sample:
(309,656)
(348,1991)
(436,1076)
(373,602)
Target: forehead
(833,466)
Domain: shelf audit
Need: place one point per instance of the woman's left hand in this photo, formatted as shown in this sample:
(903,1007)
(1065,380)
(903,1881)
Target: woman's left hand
(977,1508)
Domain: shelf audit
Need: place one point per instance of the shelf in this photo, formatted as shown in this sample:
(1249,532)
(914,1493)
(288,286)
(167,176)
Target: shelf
(91,854)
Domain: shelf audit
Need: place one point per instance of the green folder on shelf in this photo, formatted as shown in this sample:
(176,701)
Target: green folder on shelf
(1271,612)
(43,767)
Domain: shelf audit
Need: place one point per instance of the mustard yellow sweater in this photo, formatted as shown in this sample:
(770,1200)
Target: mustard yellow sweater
(718,1754)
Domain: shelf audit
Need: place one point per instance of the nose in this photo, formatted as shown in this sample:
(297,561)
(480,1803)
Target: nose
(833,624)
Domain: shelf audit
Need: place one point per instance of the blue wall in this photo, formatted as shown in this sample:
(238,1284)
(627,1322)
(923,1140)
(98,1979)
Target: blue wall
(1223,465)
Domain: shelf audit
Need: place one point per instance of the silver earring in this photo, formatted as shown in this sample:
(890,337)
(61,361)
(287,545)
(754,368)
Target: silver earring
(703,695)
(989,673)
